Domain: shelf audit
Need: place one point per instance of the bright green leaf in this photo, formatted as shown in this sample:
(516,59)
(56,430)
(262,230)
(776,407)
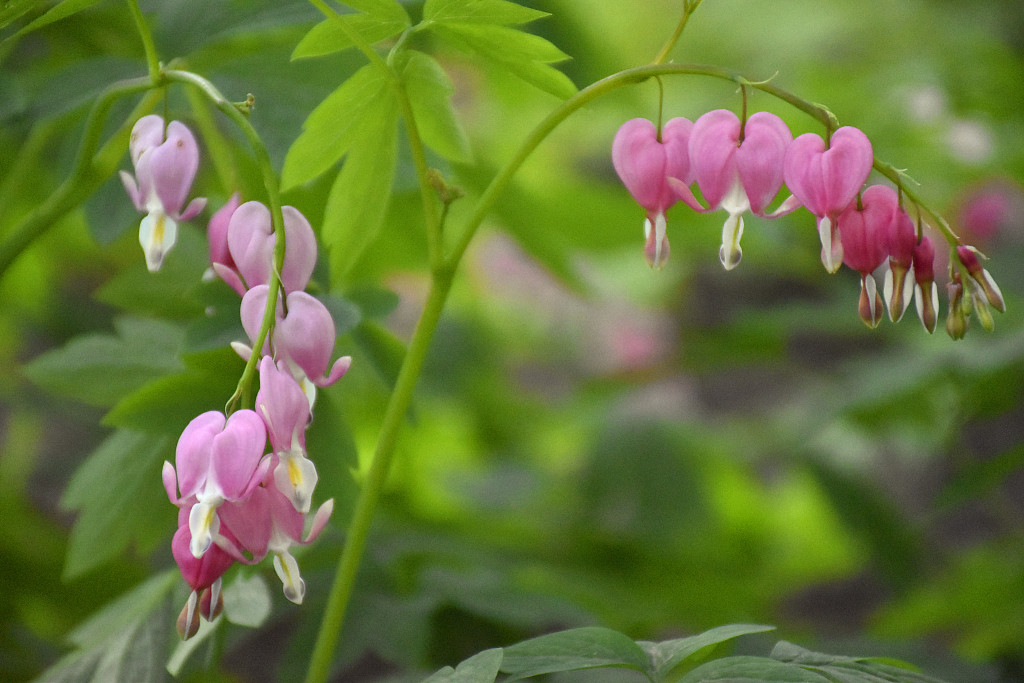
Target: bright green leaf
(358,200)
(337,124)
(524,54)
(56,13)
(498,12)
(430,92)
(589,647)
(328,37)
(751,670)
(480,668)
(385,9)
(121,475)
(666,655)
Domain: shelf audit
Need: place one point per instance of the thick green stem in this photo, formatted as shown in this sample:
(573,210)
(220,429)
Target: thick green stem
(373,486)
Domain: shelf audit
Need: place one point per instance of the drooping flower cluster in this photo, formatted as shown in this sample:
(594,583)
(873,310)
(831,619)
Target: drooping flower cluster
(741,166)
(237,500)
(166,159)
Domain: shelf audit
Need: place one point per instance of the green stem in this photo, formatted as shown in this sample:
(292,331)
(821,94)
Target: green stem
(359,527)
(91,169)
(417,151)
(688,9)
(152,63)
(243,392)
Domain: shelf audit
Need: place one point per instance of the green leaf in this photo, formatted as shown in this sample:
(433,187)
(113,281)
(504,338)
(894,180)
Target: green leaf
(124,612)
(100,369)
(358,200)
(666,655)
(385,9)
(589,647)
(167,405)
(430,94)
(247,601)
(846,669)
(480,668)
(336,125)
(118,496)
(479,12)
(751,670)
(328,37)
(13,9)
(56,13)
(524,54)
(381,348)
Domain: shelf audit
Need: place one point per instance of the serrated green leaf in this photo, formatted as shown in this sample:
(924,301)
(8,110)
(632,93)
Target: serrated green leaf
(336,125)
(100,369)
(666,655)
(480,668)
(498,12)
(751,670)
(524,54)
(589,647)
(56,13)
(168,404)
(117,494)
(358,200)
(328,37)
(430,94)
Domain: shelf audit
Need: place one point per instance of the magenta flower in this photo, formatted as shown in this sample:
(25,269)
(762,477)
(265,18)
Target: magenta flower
(645,162)
(203,574)
(164,171)
(251,244)
(217,460)
(865,242)
(827,180)
(926,294)
(285,410)
(898,287)
(303,339)
(738,171)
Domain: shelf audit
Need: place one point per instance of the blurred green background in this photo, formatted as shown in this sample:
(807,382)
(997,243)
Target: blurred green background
(592,442)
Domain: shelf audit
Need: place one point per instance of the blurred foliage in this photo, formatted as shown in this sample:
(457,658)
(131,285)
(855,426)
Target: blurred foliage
(592,443)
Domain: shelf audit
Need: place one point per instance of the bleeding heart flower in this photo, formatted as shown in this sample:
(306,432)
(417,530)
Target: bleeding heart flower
(251,242)
(827,180)
(865,243)
(645,161)
(164,171)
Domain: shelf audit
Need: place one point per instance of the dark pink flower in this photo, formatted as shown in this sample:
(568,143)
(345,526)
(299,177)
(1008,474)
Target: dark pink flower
(866,225)
(926,294)
(827,180)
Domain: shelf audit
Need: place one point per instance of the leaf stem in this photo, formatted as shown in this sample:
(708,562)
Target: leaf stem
(152,63)
(688,9)
(243,392)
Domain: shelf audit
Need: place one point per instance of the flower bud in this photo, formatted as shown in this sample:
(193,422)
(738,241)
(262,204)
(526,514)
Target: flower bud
(969,258)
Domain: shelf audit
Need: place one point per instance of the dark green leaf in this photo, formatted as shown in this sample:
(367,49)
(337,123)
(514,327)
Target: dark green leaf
(751,670)
(480,668)
(668,654)
(168,404)
(846,669)
(430,92)
(328,37)
(383,349)
(337,124)
(479,12)
(359,197)
(124,612)
(332,448)
(122,474)
(524,54)
(100,369)
(589,647)
(60,11)
(13,9)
